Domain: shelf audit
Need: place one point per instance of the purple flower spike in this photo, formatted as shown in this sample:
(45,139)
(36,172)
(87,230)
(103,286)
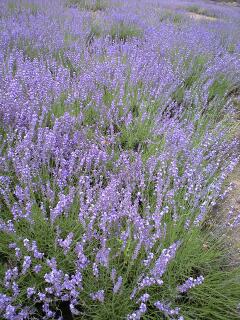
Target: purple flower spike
(190,283)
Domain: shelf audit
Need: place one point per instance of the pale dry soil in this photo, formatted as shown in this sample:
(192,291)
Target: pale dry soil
(197,16)
(232,200)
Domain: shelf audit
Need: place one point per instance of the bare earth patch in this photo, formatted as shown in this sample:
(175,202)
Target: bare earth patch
(198,16)
(232,202)
(227,210)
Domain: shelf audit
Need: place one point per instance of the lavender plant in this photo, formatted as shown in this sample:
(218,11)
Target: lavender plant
(114,147)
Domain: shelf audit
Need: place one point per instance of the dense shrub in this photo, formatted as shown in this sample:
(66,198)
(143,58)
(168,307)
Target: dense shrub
(117,134)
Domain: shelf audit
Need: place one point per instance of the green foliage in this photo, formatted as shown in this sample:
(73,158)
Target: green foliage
(216,298)
(135,136)
(171,17)
(29,50)
(12,6)
(69,38)
(65,61)
(122,31)
(200,253)
(58,109)
(95,32)
(22,5)
(231,48)
(91,116)
(194,67)
(221,87)
(91,5)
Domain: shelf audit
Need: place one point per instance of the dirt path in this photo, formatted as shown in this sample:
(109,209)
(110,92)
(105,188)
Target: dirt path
(197,16)
(231,203)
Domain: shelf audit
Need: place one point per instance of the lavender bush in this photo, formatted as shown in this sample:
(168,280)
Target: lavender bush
(117,133)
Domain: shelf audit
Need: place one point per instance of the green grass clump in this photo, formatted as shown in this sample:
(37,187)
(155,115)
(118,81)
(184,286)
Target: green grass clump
(65,61)
(21,6)
(171,17)
(94,33)
(123,31)
(91,5)
(220,88)
(216,298)
(119,31)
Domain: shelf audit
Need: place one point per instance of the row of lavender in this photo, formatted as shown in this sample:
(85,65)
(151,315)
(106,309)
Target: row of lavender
(116,136)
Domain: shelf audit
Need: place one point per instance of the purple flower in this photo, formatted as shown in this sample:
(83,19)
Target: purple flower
(10,275)
(113,275)
(73,309)
(66,244)
(30,292)
(147,261)
(10,312)
(27,244)
(98,296)
(15,289)
(52,263)
(37,268)
(82,259)
(148,282)
(166,256)
(144,298)
(190,283)
(42,296)
(166,309)
(12,245)
(136,315)
(26,264)
(36,253)
(103,256)
(18,253)
(117,285)
(46,309)
(95,270)
(63,205)
(4,301)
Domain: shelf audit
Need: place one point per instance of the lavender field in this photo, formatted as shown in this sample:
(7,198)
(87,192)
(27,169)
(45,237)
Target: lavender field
(118,134)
